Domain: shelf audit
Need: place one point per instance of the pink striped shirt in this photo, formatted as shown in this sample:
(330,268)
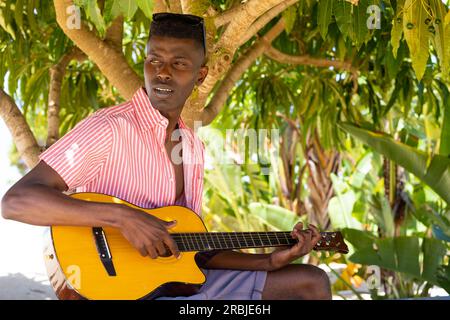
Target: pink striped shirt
(120,151)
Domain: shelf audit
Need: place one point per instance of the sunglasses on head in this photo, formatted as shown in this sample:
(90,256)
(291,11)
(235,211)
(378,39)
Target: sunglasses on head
(188,18)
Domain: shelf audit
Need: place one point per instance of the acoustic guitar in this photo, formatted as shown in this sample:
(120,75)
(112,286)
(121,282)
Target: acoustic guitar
(99,263)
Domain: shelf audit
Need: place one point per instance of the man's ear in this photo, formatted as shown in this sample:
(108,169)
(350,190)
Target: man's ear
(202,73)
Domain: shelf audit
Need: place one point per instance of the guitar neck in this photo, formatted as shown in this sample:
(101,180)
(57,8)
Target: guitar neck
(206,241)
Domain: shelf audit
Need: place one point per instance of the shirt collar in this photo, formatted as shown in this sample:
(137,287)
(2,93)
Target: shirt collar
(147,115)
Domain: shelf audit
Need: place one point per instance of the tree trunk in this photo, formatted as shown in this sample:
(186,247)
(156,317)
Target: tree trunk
(23,138)
(56,77)
(320,164)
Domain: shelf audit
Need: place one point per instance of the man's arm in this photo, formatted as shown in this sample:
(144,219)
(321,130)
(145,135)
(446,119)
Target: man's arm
(37,199)
(230,259)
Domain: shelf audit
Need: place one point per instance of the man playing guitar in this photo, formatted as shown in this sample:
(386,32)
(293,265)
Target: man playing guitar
(141,151)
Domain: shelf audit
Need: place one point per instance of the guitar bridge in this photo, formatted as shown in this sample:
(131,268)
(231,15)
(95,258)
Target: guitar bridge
(103,250)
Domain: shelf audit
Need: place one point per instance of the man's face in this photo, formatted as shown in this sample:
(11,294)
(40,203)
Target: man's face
(172,67)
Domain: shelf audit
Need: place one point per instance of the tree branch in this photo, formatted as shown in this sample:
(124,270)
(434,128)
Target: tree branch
(114,34)
(56,77)
(265,19)
(23,138)
(279,56)
(246,14)
(101,52)
(159,6)
(236,71)
(226,16)
(175,6)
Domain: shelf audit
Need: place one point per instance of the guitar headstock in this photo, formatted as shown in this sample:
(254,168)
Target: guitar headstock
(332,241)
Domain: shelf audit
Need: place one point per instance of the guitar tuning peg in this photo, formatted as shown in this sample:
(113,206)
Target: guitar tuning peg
(333,235)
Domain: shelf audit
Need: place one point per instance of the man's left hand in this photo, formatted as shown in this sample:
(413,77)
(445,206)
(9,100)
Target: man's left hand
(307,239)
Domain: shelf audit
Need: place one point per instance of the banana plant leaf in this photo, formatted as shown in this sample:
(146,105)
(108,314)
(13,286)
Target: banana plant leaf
(420,258)
(276,217)
(432,170)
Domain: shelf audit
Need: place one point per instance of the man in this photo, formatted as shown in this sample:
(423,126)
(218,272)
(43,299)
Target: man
(130,151)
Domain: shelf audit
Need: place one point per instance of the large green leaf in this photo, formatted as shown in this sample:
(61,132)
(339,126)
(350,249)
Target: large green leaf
(340,208)
(416,34)
(407,255)
(276,217)
(433,251)
(433,170)
(401,254)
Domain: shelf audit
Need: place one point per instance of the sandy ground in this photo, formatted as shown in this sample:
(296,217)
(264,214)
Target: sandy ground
(22,270)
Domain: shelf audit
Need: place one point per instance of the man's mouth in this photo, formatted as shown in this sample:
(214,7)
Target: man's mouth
(162,92)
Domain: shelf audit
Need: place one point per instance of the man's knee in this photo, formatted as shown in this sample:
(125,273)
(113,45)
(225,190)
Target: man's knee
(319,284)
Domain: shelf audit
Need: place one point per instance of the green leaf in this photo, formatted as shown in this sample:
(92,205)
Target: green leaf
(30,16)
(352,20)
(94,15)
(5,20)
(289,15)
(444,147)
(447,45)
(433,170)
(387,253)
(433,251)
(340,208)
(128,8)
(18,13)
(146,6)
(360,22)
(416,34)
(397,27)
(276,217)
(343,10)
(325,11)
(407,252)
(387,217)
(111,11)
(360,239)
(400,254)
(440,39)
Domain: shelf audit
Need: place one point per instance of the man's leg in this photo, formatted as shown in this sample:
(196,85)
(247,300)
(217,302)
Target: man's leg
(297,281)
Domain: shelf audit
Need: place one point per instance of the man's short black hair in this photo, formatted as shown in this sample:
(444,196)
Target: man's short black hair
(180,26)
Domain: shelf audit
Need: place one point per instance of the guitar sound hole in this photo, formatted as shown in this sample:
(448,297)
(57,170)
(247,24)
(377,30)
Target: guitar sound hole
(166,254)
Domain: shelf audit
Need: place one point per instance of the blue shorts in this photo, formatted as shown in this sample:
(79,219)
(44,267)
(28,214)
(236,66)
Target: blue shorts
(228,285)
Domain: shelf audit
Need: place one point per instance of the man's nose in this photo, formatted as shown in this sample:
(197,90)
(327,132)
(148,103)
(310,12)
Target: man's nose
(164,73)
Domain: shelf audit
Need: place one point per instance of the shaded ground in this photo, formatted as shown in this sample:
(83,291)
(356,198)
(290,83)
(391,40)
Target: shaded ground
(18,287)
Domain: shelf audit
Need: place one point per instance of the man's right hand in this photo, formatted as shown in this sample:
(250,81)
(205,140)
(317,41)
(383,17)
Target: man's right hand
(147,233)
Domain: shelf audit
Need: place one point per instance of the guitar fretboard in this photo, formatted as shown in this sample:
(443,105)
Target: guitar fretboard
(231,240)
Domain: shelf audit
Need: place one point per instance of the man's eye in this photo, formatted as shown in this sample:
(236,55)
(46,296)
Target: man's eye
(179,63)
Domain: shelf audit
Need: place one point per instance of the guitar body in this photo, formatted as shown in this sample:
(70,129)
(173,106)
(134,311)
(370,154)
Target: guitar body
(76,271)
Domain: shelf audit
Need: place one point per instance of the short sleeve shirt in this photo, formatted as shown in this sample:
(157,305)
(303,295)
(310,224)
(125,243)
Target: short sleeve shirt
(120,151)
